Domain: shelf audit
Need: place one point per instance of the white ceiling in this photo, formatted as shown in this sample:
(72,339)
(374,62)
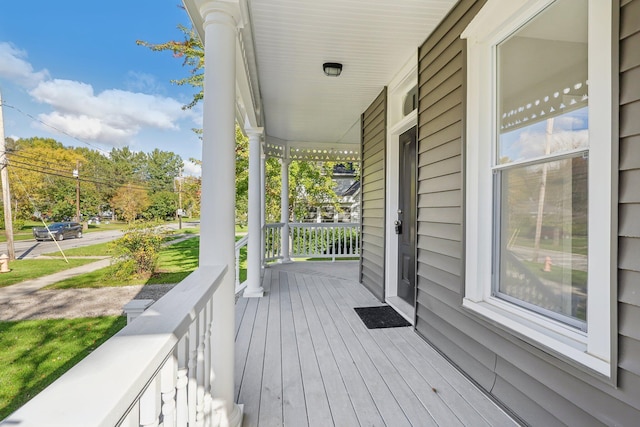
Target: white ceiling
(373,39)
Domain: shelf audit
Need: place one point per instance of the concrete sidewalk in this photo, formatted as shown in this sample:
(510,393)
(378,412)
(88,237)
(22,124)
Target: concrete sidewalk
(29,286)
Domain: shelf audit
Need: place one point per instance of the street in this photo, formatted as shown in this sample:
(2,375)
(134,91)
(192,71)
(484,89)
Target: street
(26,249)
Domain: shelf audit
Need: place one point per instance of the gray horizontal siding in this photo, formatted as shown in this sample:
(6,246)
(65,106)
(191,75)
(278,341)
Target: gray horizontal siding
(629,207)
(538,387)
(374,137)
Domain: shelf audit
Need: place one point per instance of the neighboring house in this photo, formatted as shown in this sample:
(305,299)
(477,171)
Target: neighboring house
(499,143)
(345,187)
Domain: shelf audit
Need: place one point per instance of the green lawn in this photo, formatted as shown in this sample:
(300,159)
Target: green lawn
(176,262)
(36,352)
(100,249)
(26,269)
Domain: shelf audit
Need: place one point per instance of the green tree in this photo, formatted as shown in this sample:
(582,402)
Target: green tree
(191,190)
(161,168)
(162,205)
(41,177)
(310,186)
(130,201)
(127,166)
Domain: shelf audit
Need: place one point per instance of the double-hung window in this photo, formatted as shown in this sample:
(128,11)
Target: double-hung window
(540,174)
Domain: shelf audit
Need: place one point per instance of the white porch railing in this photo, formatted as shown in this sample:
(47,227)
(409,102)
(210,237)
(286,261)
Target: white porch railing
(314,240)
(325,240)
(272,241)
(239,245)
(155,371)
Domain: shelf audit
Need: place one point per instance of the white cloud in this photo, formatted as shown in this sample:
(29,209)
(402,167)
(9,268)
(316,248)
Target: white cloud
(15,68)
(143,82)
(192,169)
(112,117)
(85,127)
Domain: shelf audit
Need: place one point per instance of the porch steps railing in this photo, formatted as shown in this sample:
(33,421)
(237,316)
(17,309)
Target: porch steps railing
(155,371)
(314,240)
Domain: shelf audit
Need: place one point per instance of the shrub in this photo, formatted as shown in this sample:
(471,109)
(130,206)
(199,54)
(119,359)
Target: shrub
(18,224)
(136,253)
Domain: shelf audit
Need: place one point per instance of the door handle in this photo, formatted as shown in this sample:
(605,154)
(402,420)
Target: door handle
(398,225)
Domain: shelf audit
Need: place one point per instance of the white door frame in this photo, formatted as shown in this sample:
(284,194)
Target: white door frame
(397,125)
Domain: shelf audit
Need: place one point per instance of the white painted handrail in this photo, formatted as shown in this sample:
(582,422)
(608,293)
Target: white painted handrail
(155,371)
(272,241)
(325,240)
(239,245)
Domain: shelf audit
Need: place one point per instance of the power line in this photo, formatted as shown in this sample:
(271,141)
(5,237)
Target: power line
(41,164)
(28,167)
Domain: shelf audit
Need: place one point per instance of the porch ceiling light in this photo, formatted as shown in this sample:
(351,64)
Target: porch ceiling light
(332,69)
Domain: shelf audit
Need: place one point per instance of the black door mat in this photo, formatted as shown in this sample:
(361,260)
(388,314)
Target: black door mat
(383,316)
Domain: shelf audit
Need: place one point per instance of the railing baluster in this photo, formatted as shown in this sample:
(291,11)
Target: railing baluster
(208,371)
(200,370)
(168,379)
(192,386)
(322,240)
(133,417)
(150,404)
(182,412)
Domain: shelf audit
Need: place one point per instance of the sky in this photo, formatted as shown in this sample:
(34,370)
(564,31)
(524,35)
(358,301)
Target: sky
(71,70)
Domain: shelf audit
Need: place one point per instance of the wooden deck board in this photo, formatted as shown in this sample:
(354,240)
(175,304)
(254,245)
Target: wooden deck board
(271,396)
(318,412)
(386,403)
(251,384)
(243,339)
(337,395)
(294,406)
(359,396)
(404,397)
(304,358)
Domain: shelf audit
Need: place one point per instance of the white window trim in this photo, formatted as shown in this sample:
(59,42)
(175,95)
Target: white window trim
(596,348)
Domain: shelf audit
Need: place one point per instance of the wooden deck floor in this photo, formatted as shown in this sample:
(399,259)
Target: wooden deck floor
(304,358)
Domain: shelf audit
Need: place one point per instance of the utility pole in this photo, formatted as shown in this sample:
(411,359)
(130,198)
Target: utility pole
(6,194)
(76,174)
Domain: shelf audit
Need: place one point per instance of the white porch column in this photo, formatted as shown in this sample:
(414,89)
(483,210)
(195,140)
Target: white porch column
(263,189)
(254,287)
(217,230)
(284,209)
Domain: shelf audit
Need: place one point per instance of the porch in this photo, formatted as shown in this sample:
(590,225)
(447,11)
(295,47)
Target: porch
(304,357)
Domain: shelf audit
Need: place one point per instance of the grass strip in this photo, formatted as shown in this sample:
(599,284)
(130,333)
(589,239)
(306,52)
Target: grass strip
(37,352)
(26,269)
(100,249)
(175,263)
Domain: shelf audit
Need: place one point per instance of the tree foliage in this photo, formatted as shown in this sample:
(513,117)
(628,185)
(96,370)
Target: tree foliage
(191,51)
(41,176)
(130,201)
(310,182)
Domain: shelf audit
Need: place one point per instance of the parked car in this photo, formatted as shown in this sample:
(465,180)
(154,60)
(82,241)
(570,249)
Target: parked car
(59,231)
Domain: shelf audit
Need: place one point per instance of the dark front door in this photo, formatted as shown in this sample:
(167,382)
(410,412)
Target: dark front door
(406,223)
